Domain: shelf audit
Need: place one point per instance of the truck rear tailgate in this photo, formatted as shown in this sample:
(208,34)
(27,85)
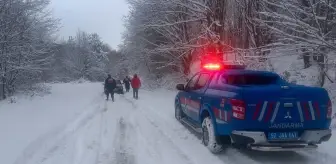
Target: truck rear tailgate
(283,108)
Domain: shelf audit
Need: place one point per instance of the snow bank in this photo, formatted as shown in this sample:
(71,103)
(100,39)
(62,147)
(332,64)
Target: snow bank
(29,92)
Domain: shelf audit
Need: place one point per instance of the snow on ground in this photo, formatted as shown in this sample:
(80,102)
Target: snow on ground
(27,124)
(75,125)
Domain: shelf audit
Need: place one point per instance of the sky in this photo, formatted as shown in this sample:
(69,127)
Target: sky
(103,17)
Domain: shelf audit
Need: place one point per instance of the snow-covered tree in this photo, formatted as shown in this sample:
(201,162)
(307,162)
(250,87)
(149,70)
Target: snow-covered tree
(307,25)
(26,41)
(160,33)
(83,56)
(168,35)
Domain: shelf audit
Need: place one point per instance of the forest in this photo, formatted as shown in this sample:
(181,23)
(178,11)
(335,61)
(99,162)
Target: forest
(169,35)
(31,52)
(163,38)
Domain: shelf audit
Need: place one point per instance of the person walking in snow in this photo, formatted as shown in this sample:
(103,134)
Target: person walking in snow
(127,82)
(136,84)
(109,86)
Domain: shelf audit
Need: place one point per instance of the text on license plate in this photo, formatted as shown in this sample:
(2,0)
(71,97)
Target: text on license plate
(283,135)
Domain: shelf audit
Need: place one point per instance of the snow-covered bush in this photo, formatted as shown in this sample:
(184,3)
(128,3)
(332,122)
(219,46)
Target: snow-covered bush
(39,89)
(12,99)
(81,80)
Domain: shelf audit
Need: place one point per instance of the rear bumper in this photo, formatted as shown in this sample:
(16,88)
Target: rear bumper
(118,89)
(258,141)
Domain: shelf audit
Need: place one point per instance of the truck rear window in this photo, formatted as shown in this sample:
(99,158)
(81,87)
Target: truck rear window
(250,79)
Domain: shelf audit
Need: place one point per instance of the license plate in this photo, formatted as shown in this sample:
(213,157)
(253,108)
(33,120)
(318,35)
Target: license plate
(283,135)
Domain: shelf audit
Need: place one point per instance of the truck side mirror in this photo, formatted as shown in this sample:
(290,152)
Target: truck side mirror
(180,87)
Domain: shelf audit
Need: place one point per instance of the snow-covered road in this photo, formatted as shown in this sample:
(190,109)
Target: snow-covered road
(75,125)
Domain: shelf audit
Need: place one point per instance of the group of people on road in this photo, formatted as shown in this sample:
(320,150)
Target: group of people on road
(111,84)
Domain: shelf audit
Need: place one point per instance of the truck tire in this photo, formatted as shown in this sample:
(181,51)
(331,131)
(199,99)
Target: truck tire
(208,136)
(178,113)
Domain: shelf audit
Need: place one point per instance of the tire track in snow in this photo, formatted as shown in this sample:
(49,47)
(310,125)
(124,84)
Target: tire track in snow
(102,131)
(135,106)
(231,155)
(120,143)
(104,153)
(124,153)
(182,135)
(234,155)
(180,153)
(46,145)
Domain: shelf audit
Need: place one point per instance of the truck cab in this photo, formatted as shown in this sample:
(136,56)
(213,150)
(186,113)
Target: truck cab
(253,109)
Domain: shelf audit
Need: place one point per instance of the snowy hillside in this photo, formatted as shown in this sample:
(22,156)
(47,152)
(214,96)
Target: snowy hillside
(75,125)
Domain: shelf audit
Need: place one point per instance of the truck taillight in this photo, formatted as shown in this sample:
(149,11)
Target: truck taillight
(329,110)
(238,109)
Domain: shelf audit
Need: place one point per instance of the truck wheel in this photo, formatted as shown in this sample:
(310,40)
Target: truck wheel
(208,136)
(178,113)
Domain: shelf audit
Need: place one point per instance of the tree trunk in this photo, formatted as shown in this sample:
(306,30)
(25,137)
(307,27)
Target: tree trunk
(186,62)
(4,83)
(306,58)
(322,75)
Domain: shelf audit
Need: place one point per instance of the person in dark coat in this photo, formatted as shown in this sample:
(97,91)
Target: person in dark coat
(127,82)
(110,85)
(136,84)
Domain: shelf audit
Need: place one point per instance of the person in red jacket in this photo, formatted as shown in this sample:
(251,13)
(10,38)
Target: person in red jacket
(136,84)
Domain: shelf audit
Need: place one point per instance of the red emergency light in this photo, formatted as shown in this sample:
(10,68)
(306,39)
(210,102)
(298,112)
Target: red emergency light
(212,66)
